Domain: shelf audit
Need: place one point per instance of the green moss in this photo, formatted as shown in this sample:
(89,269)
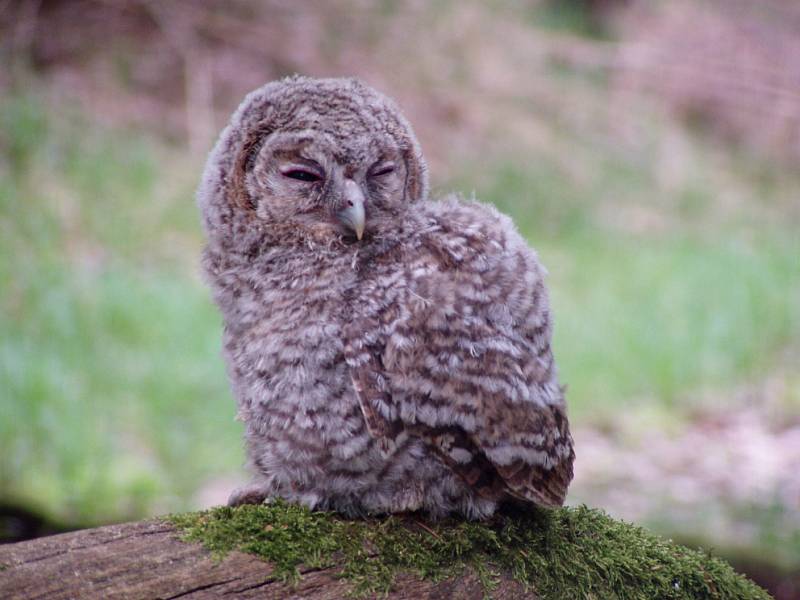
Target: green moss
(566,553)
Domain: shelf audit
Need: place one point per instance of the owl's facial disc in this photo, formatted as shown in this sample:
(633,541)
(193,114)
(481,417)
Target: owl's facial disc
(327,186)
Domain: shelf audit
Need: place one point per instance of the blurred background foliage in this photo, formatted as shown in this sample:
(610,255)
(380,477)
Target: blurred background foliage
(648,150)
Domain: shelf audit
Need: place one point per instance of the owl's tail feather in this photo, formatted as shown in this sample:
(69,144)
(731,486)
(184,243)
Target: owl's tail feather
(518,480)
(535,483)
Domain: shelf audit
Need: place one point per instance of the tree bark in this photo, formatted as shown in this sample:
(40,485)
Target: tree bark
(147,559)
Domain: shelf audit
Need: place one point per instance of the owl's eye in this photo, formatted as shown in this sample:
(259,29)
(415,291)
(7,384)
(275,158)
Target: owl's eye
(302,175)
(382,169)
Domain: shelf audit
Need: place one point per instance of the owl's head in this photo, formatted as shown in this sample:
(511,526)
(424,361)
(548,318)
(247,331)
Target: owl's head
(312,158)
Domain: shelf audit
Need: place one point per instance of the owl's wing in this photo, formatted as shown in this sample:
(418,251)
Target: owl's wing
(458,353)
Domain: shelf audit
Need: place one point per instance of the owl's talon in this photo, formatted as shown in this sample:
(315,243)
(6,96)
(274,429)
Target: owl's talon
(248,494)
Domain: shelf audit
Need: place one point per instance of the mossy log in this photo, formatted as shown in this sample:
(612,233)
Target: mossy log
(282,551)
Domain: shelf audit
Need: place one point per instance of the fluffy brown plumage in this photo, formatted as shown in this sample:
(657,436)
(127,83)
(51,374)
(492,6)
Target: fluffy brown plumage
(387,352)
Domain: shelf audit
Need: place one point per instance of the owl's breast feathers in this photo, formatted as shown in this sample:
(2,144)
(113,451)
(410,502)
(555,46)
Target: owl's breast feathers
(450,342)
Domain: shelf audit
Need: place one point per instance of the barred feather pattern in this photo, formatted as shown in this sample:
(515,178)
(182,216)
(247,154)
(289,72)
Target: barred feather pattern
(411,370)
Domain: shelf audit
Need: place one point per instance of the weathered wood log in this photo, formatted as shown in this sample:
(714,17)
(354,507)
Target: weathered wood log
(571,553)
(148,560)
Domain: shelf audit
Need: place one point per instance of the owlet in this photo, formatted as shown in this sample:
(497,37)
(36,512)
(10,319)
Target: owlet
(387,352)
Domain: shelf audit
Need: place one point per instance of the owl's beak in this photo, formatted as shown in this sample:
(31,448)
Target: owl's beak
(353,215)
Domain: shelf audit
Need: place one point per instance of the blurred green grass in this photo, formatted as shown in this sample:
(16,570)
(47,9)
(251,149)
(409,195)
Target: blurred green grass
(113,398)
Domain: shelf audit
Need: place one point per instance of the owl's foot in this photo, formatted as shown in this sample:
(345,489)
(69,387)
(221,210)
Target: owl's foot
(252,493)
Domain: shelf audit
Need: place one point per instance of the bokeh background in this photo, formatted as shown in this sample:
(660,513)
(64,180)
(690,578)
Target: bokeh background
(650,151)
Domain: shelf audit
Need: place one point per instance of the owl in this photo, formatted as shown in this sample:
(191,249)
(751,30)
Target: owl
(388,353)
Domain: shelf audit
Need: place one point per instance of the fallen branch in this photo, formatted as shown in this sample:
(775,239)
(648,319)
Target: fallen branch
(281,551)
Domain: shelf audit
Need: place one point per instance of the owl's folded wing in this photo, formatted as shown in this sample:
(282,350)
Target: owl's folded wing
(483,396)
